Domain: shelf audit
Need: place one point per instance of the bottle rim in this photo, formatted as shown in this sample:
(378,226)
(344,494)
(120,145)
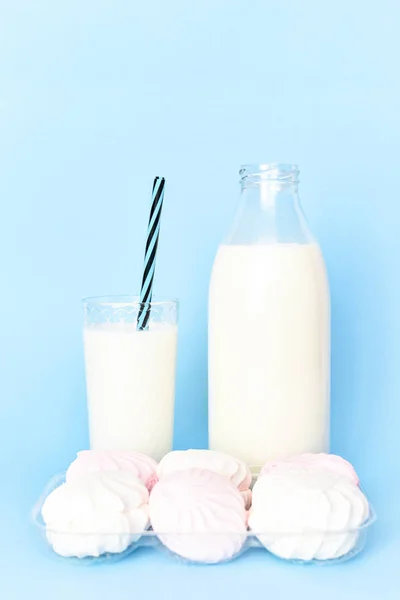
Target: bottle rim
(285,172)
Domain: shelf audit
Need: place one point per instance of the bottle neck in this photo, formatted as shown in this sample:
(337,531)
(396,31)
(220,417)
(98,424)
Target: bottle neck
(267,195)
(269,209)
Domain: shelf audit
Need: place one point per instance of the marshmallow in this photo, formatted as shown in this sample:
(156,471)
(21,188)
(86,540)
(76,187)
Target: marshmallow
(96,513)
(330,462)
(218,462)
(307,512)
(199,515)
(91,461)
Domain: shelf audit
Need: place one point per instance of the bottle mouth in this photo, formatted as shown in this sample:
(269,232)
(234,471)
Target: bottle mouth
(285,173)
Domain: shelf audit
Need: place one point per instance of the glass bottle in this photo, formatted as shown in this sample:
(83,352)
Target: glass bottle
(269,326)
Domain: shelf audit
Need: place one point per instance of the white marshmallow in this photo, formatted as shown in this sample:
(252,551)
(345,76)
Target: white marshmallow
(96,513)
(307,513)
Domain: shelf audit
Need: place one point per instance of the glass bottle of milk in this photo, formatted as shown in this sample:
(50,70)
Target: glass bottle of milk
(269,326)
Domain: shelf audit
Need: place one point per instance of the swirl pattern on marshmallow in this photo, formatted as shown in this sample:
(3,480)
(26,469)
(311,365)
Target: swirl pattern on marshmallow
(96,513)
(230,467)
(91,461)
(199,515)
(307,513)
(330,462)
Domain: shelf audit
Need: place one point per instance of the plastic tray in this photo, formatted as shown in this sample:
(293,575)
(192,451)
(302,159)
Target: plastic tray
(355,539)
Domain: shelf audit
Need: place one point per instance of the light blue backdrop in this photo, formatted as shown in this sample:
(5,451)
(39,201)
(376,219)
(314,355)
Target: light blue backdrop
(96,98)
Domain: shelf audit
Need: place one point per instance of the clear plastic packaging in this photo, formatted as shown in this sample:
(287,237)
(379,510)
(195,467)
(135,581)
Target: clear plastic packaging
(333,546)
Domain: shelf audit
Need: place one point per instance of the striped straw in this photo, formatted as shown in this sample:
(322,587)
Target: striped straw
(153,232)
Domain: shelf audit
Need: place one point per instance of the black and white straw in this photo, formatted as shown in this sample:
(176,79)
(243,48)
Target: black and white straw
(153,232)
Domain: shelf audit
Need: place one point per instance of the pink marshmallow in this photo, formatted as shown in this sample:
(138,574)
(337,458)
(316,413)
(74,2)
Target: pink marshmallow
(92,461)
(329,462)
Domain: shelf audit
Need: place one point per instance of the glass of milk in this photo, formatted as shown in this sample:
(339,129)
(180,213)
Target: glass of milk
(269,326)
(130,374)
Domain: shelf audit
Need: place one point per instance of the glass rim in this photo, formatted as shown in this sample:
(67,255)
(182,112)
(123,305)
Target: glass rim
(127,300)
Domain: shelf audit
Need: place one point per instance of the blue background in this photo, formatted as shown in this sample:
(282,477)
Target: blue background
(96,98)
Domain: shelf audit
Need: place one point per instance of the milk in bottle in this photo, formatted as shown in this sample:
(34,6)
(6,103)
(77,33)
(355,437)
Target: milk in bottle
(269,326)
